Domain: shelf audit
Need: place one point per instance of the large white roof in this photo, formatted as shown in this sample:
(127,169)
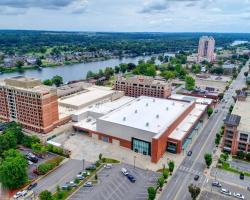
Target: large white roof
(87,97)
(148,113)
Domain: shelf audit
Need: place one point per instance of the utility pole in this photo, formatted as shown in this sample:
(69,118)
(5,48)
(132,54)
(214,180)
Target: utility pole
(83,164)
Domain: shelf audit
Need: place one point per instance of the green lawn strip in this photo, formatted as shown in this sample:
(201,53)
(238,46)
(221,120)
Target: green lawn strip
(109,160)
(226,166)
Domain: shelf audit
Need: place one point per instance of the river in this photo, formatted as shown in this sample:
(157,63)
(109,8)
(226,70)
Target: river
(75,71)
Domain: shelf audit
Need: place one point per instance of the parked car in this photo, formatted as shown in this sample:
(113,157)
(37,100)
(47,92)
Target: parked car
(216,184)
(215,111)
(88,184)
(242,176)
(189,153)
(17,195)
(225,191)
(72,184)
(65,187)
(248,188)
(30,162)
(124,171)
(31,186)
(32,158)
(108,166)
(131,178)
(196,177)
(85,173)
(238,195)
(79,176)
(91,167)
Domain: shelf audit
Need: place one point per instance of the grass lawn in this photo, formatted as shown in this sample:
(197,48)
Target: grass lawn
(226,166)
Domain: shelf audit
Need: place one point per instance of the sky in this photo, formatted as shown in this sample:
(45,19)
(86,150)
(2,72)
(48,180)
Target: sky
(127,15)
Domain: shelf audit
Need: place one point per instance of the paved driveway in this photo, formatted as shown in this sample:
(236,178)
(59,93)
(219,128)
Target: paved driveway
(113,185)
(230,177)
(65,173)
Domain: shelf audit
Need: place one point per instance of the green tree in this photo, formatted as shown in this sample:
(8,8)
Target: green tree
(45,195)
(210,112)
(117,69)
(19,64)
(194,191)
(38,148)
(246,74)
(165,173)
(171,166)
(39,62)
(151,193)
(208,159)
(13,170)
(57,80)
(168,74)
(48,82)
(90,74)
(248,156)
(240,154)
(189,83)
(8,141)
(196,69)
(217,139)
(160,182)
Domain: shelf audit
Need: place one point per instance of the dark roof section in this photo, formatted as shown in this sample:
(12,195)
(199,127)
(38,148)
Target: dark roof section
(232,120)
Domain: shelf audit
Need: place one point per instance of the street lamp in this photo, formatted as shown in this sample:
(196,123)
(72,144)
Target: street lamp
(134,161)
(83,164)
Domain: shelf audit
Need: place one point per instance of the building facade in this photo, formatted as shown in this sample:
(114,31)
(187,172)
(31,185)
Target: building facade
(147,125)
(27,101)
(237,128)
(143,86)
(206,49)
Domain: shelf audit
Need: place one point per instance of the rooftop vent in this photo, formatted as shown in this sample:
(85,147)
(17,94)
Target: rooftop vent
(136,111)
(147,124)
(166,108)
(124,118)
(157,116)
(147,104)
(153,100)
(173,103)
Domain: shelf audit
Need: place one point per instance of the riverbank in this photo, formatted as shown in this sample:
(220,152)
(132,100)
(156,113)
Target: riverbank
(70,71)
(4,70)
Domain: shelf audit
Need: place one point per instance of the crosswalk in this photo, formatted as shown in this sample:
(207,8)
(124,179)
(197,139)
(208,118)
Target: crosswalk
(191,171)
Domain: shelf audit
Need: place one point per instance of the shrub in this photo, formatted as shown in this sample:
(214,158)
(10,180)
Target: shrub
(165,174)
(240,154)
(151,193)
(49,165)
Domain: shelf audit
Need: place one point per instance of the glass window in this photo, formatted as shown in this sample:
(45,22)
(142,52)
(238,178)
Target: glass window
(141,146)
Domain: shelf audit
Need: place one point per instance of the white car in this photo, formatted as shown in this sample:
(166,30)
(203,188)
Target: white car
(238,195)
(108,166)
(225,191)
(17,195)
(124,171)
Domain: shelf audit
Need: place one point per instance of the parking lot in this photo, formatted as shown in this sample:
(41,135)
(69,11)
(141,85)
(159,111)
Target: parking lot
(113,185)
(213,192)
(33,166)
(206,195)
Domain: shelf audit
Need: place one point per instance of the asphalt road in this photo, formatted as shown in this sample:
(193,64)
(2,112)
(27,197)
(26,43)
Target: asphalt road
(177,188)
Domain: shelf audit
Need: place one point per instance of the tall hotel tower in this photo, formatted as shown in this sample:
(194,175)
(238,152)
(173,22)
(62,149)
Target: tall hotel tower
(206,49)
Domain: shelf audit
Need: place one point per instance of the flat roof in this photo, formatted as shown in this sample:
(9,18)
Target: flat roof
(200,100)
(148,113)
(242,109)
(105,107)
(184,127)
(86,97)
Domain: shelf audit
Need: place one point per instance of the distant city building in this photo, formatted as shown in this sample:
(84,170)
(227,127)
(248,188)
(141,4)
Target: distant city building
(27,101)
(206,49)
(143,85)
(237,127)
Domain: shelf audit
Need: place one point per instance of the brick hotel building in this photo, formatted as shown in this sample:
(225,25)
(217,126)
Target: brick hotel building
(27,101)
(143,86)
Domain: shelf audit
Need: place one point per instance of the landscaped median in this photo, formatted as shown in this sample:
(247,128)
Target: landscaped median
(64,193)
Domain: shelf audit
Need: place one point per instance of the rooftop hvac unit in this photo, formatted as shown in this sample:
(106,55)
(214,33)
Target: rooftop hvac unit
(147,124)
(124,118)
(157,116)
